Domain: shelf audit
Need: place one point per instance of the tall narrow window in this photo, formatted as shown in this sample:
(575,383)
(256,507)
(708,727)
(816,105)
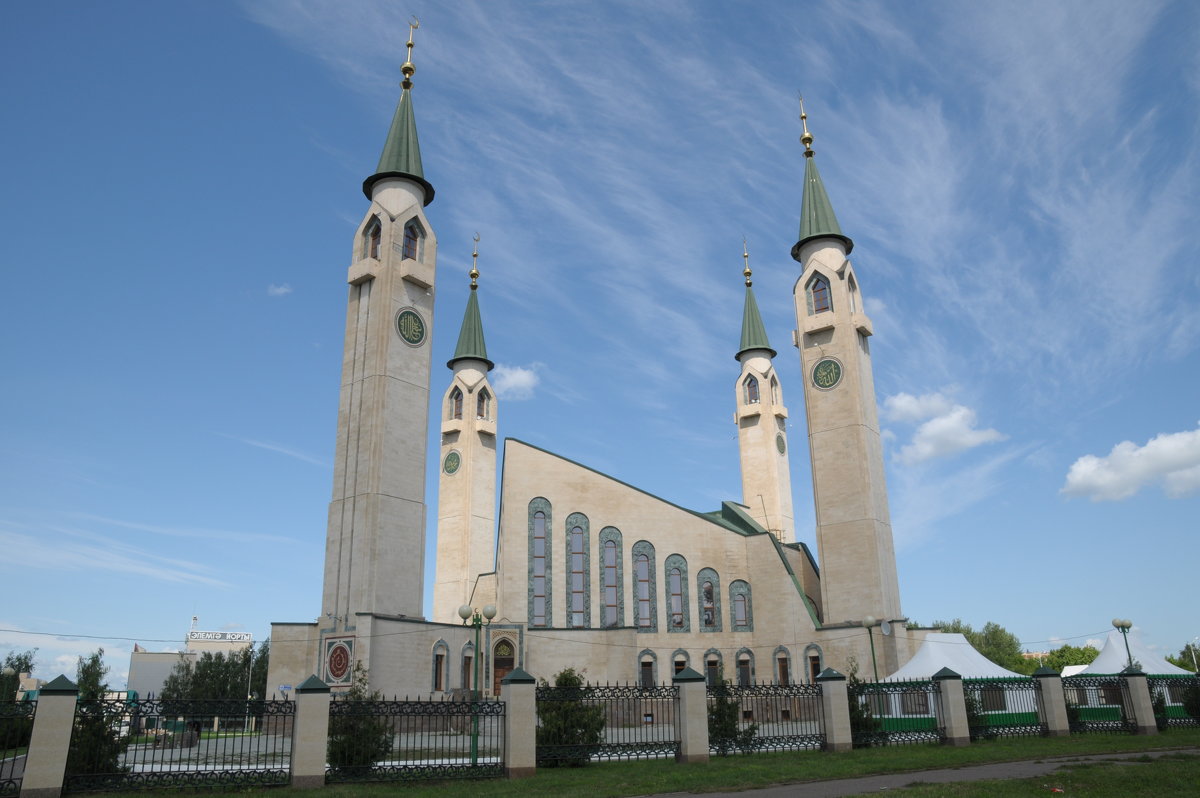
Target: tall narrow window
(578,573)
(818,295)
(539,570)
(739,610)
(743,612)
(814,667)
(611,592)
(642,566)
(708,607)
(412,241)
(712,667)
(483,403)
(646,677)
(708,588)
(853,290)
(439,670)
(745,669)
(751,386)
(784,676)
(456,403)
(678,612)
(675,582)
(774,390)
(374,236)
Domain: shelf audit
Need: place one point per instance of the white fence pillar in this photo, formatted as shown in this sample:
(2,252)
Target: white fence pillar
(310,734)
(519,694)
(835,706)
(1051,702)
(953,707)
(692,713)
(46,760)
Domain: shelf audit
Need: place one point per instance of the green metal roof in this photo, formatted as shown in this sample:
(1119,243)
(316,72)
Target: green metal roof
(470,337)
(401,152)
(754,335)
(817,219)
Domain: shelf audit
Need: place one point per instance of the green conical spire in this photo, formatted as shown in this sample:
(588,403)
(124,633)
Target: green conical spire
(401,152)
(754,335)
(470,336)
(817,219)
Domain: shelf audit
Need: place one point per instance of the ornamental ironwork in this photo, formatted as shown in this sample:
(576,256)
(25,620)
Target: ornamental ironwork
(1176,700)
(1008,707)
(896,713)
(16,729)
(606,723)
(1099,705)
(765,717)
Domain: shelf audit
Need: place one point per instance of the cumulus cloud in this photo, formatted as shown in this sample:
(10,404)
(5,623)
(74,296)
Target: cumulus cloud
(515,382)
(946,428)
(1173,458)
(283,289)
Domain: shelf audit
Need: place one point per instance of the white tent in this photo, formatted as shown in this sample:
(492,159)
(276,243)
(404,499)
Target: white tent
(949,650)
(1113,659)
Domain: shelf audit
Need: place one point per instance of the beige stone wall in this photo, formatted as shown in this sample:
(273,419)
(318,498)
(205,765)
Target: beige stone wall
(766,471)
(293,655)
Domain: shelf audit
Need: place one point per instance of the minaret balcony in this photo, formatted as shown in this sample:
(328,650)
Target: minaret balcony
(780,411)
(818,322)
(452,426)
(862,324)
(363,270)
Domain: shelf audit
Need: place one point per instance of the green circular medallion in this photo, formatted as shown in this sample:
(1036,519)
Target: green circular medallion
(780,443)
(827,373)
(452,462)
(411,327)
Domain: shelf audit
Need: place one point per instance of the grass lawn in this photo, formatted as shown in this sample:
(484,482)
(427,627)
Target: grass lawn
(740,772)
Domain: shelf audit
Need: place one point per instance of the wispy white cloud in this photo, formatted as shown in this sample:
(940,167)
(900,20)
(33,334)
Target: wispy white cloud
(278,448)
(1172,458)
(176,531)
(281,289)
(946,428)
(515,383)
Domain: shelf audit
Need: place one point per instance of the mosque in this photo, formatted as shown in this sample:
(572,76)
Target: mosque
(587,570)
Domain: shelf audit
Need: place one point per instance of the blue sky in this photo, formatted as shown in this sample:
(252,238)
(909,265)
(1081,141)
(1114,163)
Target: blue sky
(181,187)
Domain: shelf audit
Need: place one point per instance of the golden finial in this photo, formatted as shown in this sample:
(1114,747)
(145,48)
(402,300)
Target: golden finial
(746,259)
(407,67)
(475,264)
(805,138)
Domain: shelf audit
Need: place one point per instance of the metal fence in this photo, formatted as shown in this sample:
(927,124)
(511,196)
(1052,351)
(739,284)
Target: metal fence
(408,740)
(895,713)
(1176,700)
(119,744)
(1005,707)
(1099,704)
(765,717)
(605,722)
(16,727)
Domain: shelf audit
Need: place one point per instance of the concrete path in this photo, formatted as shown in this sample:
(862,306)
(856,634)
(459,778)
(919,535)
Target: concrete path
(865,785)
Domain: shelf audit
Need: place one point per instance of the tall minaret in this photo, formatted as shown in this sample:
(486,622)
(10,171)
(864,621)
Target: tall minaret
(762,425)
(467,484)
(375,546)
(854,531)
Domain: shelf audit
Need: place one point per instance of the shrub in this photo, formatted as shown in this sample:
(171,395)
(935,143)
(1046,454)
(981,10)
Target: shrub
(568,722)
(359,739)
(724,715)
(865,729)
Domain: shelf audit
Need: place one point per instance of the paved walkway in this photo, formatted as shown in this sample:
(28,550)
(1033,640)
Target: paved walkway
(863,785)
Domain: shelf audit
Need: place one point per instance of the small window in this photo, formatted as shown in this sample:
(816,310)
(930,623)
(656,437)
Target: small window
(680,664)
(412,241)
(818,295)
(646,676)
(708,606)
(456,403)
(467,674)
(744,671)
(675,582)
(993,699)
(739,610)
(774,390)
(914,703)
(483,404)
(784,677)
(751,388)
(439,671)
(371,239)
(712,671)
(814,667)
(853,295)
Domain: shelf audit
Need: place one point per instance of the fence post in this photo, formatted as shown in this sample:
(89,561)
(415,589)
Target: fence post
(1052,702)
(835,706)
(310,734)
(1139,697)
(520,724)
(691,709)
(953,707)
(46,760)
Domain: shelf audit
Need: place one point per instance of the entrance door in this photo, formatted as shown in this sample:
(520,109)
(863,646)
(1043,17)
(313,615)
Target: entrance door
(502,663)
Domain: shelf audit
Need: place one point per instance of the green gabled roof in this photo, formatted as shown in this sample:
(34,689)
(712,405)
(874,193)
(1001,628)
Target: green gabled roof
(470,337)
(401,152)
(754,335)
(817,219)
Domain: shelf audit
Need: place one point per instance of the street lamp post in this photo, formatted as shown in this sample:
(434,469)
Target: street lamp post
(476,618)
(868,622)
(1123,625)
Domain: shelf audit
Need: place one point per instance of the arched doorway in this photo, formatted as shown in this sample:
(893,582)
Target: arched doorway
(503,661)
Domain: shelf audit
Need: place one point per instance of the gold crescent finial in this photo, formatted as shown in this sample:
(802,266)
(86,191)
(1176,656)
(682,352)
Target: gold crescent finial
(407,67)
(746,259)
(806,138)
(475,264)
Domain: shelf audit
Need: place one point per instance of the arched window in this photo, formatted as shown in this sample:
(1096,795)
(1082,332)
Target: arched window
(467,680)
(503,661)
(483,403)
(774,390)
(647,668)
(745,667)
(413,238)
(743,612)
(815,661)
(578,600)
(853,290)
(678,618)
(612,611)
(441,666)
(818,295)
(712,667)
(783,666)
(679,661)
(708,586)
(645,592)
(456,403)
(539,563)
(750,385)
(371,238)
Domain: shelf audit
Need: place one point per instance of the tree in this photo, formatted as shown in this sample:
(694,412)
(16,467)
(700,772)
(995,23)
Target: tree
(864,727)
(724,717)
(358,738)
(20,662)
(220,675)
(567,721)
(1188,656)
(1068,654)
(993,641)
(97,743)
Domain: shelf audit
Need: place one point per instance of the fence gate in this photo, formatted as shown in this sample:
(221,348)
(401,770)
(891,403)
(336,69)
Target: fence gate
(133,744)
(16,727)
(895,713)
(1003,708)
(765,717)
(1099,704)
(605,722)
(408,740)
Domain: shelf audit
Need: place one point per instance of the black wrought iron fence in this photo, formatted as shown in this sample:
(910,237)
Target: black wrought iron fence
(1176,700)
(895,713)
(765,717)
(605,722)
(1006,707)
(1099,704)
(408,740)
(16,727)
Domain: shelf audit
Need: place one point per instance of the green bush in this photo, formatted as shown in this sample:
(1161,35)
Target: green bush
(97,742)
(865,729)
(724,716)
(358,740)
(567,721)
